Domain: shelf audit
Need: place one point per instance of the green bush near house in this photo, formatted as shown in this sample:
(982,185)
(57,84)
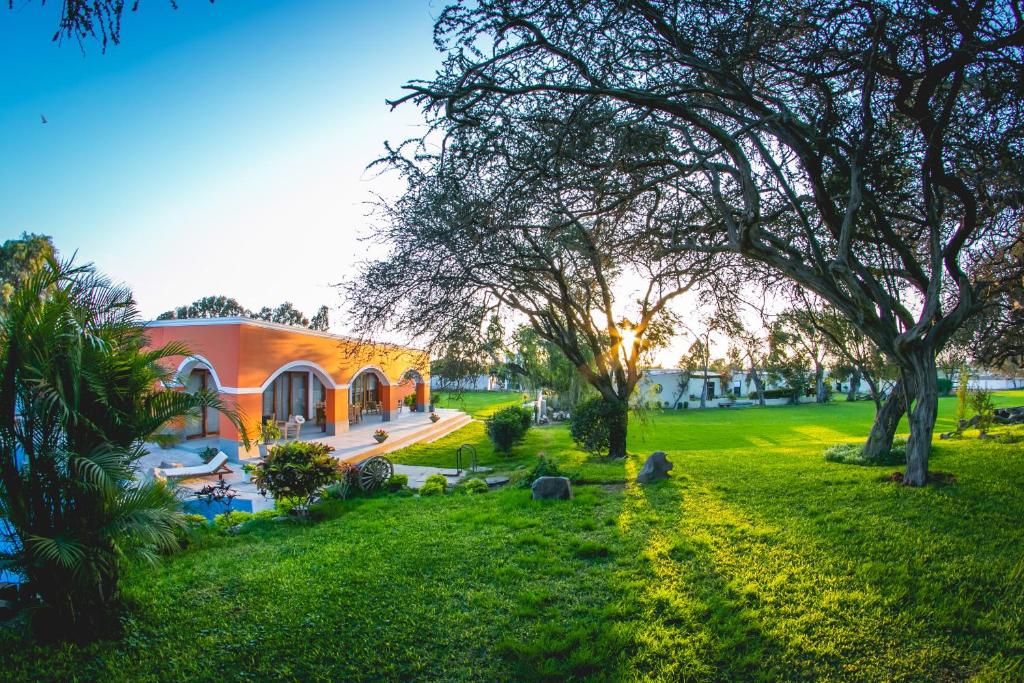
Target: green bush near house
(507,426)
(297,471)
(398,482)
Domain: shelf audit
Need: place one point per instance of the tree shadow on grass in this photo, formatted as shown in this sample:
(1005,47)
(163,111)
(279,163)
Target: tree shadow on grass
(836,574)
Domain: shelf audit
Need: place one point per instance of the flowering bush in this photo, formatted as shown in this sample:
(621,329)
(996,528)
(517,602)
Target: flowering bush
(298,471)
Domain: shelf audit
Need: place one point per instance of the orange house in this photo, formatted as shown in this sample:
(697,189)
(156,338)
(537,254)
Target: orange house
(273,371)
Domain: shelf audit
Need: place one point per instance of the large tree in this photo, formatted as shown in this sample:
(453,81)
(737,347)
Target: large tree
(518,224)
(866,149)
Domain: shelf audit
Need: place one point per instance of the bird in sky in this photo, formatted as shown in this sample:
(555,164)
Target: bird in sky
(43,118)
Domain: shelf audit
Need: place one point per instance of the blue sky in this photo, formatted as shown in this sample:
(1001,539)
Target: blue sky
(219,149)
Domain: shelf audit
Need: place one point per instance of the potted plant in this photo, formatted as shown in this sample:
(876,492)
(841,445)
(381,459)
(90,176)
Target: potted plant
(167,441)
(380,435)
(434,417)
(270,434)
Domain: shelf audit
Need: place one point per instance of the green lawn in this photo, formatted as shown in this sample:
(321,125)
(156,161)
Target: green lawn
(477,403)
(757,560)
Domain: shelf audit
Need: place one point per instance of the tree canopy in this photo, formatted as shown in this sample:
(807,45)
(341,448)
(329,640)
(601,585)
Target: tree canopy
(222,306)
(869,151)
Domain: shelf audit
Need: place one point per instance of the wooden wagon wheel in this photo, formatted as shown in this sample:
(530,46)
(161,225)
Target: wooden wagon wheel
(375,472)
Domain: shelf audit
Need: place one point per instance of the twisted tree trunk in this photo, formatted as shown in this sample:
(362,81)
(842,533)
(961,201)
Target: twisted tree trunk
(921,415)
(887,419)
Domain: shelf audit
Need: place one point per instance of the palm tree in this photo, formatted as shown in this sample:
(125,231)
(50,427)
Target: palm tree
(80,393)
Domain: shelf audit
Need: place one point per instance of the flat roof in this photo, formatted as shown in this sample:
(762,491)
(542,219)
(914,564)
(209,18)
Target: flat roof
(243,320)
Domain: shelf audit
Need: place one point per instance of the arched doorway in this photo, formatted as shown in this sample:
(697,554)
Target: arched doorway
(196,374)
(297,389)
(369,394)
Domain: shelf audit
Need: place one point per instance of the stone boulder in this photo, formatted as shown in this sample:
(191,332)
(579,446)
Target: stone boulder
(656,467)
(552,488)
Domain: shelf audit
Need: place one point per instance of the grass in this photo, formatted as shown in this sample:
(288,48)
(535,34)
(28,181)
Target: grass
(756,560)
(479,404)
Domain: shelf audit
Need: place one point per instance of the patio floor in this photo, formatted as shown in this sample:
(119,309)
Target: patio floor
(355,445)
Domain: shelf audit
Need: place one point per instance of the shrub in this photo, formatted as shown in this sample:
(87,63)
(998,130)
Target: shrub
(270,432)
(345,485)
(435,485)
(297,470)
(542,467)
(984,408)
(945,386)
(591,421)
(398,482)
(506,427)
(437,479)
(226,522)
(472,486)
(853,454)
(208,453)
(962,398)
(166,441)
(526,418)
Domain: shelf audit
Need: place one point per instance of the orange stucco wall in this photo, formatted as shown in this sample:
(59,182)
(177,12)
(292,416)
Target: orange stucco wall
(246,355)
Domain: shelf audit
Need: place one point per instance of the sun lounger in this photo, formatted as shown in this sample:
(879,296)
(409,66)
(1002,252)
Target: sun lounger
(218,465)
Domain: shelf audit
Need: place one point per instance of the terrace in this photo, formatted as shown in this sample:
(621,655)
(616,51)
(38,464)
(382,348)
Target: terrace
(352,446)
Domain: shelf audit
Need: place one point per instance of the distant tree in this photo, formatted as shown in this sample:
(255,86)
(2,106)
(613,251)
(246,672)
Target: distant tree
(543,365)
(749,350)
(286,314)
(207,307)
(19,259)
(321,320)
(995,336)
(795,334)
(222,307)
(698,359)
(723,367)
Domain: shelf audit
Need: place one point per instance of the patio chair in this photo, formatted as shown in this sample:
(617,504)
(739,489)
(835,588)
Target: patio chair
(218,465)
(294,424)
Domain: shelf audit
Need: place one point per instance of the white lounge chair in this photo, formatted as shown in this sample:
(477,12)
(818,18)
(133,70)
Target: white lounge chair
(218,465)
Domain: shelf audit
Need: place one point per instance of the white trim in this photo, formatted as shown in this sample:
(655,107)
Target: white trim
(307,364)
(241,320)
(380,372)
(196,358)
(234,391)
